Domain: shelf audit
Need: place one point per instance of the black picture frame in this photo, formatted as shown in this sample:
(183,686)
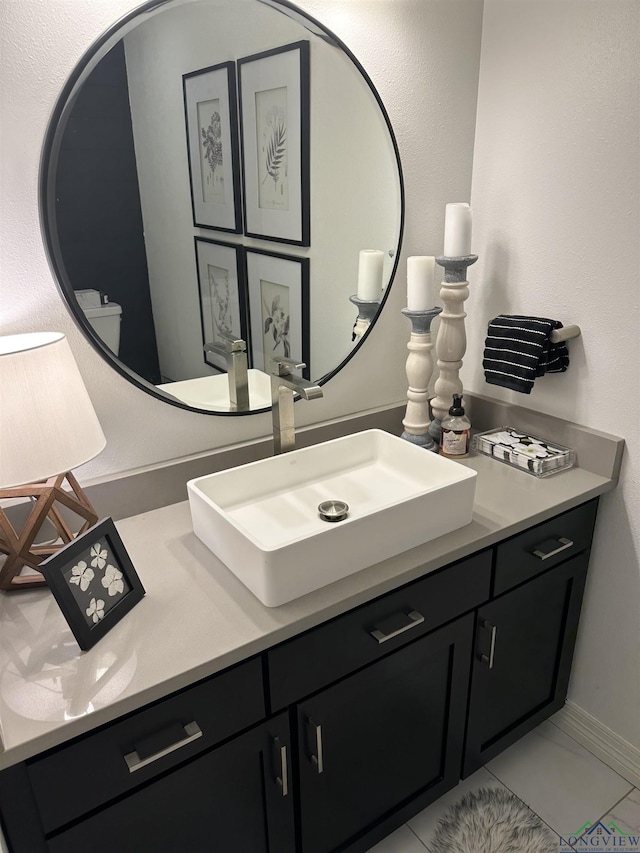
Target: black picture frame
(222,293)
(274,96)
(214,167)
(272,276)
(94,564)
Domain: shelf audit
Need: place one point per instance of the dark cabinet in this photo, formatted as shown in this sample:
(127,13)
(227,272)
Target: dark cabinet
(375,713)
(236,797)
(382,738)
(523,649)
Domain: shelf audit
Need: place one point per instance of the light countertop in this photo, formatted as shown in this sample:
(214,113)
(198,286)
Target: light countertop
(197,618)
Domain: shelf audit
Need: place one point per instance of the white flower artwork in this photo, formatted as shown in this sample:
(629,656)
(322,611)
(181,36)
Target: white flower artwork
(112,580)
(99,555)
(81,575)
(95,609)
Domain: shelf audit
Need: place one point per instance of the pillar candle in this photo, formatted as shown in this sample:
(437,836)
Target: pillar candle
(370,274)
(421,294)
(457,230)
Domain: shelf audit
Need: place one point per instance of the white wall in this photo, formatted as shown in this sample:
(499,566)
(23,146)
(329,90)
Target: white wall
(423,57)
(556,225)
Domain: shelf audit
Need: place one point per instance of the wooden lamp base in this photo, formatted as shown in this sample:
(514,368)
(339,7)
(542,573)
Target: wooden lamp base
(19,546)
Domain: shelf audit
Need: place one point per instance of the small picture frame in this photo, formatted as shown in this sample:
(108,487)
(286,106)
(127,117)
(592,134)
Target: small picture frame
(274,129)
(211,116)
(94,582)
(278,287)
(223,296)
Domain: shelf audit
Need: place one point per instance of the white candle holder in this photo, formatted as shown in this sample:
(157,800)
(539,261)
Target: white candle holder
(367,309)
(451,341)
(419,372)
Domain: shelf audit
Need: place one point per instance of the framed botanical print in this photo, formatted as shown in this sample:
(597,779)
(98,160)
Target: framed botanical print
(93,581)
(223,296)
(274,125)
(211,109)
(278,287)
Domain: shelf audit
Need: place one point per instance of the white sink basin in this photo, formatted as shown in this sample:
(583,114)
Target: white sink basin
(262,520)
(212,392)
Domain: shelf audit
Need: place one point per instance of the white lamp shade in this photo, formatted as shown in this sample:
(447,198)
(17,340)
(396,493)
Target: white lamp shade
(47,422)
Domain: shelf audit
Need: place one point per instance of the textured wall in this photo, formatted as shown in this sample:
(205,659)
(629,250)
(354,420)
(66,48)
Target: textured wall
(556,225)
(423,56)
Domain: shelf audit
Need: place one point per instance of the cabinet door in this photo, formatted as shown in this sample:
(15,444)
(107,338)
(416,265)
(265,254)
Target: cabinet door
(236,797)
(383,738)
(523,650)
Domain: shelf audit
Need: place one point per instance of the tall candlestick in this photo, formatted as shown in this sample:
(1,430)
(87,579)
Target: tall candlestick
(451,342)
(421,293)
(457,230)
(419,369)
(370,274)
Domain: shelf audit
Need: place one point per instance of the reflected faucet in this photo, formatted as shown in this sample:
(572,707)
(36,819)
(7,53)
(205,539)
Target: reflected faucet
(234,352)
(284,385)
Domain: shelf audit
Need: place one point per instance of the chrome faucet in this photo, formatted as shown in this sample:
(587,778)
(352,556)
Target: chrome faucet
(284,385)
(234,352)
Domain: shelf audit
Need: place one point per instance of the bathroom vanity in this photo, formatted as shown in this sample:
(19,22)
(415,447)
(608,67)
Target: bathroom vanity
(321,725)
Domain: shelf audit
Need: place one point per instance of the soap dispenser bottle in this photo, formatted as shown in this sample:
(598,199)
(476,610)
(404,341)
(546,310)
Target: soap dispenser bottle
(455,431)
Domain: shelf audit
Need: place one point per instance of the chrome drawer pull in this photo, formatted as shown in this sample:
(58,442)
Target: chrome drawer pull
(414,618)
(492,649)
(283,778)
(134,762)
(317,760)
(544,555)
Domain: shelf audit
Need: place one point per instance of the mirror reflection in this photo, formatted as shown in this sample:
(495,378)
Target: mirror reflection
(141,272)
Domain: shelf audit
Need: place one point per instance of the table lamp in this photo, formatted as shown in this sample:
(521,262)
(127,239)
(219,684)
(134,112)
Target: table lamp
(47,426)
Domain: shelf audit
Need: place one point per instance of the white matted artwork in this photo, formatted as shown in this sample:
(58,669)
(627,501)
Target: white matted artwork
(278,289)
(274,123)
(223,301)
(210,104)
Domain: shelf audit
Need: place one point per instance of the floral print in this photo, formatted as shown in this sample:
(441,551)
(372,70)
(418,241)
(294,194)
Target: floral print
(81,575)
(112,580)
(95,609)
(278,321)
(96,581)
(99,555)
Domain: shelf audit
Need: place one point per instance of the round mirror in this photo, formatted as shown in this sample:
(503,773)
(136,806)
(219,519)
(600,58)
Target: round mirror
(221,186)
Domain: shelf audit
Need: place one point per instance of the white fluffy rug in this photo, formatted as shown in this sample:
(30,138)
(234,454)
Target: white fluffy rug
(491,821)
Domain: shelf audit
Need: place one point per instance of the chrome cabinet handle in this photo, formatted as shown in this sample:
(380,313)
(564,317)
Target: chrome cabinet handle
(414,618)
(492,648)
(544,555)
(281,755)
(317,758)
(134,762)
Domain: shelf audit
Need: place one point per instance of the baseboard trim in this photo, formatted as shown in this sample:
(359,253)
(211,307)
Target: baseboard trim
(613,750)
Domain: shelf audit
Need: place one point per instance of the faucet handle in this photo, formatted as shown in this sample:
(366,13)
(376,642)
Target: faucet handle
(281,366)
(229,344)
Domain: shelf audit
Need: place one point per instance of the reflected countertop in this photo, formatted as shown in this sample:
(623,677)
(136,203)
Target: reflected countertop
(197,618)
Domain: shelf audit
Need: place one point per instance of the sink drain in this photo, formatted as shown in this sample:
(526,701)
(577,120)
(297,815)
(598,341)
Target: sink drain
(333,510)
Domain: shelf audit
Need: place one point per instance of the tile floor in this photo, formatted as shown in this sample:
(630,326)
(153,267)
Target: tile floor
(563,783)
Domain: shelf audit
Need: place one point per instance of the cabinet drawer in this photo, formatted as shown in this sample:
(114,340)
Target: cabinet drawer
(94,767)
(325,654)
(528,554)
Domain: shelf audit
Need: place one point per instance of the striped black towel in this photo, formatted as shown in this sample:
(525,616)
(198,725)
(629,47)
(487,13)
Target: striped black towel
(518,349)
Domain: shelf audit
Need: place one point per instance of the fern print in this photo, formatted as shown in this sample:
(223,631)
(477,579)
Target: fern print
(272,129)
(276,150)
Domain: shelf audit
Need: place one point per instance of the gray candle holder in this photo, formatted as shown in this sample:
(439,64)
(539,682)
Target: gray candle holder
(367,310)
(419,370)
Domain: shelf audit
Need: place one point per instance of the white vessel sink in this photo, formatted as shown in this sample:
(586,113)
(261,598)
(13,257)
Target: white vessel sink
(262,519)
(212,392)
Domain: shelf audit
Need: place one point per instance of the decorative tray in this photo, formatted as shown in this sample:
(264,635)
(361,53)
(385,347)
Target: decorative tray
(536,456)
